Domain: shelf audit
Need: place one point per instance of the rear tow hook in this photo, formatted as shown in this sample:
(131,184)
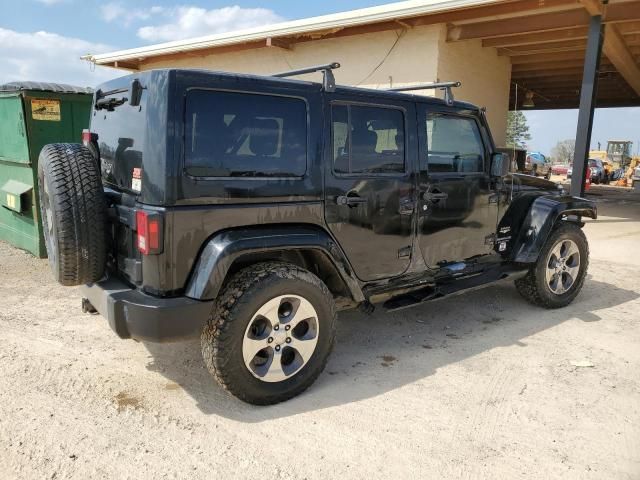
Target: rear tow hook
(87,307)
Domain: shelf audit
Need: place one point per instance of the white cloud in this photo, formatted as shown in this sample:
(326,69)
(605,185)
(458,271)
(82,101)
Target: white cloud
(111,11)
(117,11)
(174,23)
(48,57)
(188,22)
(50,2)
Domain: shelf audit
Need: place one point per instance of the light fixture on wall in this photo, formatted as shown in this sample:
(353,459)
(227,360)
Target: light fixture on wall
(528,100)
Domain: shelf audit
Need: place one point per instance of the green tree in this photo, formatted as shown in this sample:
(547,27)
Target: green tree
(517,130)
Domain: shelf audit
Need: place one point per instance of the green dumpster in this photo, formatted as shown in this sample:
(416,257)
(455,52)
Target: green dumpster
(33,114)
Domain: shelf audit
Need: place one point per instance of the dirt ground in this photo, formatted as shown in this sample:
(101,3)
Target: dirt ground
(484,386)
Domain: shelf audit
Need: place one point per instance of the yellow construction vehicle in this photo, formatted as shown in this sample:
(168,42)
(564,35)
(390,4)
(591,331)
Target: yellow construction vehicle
(617,154)
(616,157)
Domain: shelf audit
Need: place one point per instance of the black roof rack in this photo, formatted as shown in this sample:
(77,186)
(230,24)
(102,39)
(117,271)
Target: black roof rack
(446,86)
(328,80)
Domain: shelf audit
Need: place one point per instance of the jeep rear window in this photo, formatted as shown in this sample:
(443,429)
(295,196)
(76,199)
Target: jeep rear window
(244,135)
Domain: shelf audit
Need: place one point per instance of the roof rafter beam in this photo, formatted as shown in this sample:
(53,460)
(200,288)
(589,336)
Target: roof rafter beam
(529,24)
(565,81)
(537,38)
(615,48)
(278,42)
(621,56)
(542,48)
(630,30)
(544,22)
(594,7)
(126,65)
(551,65)
(621,12)
(559,56)
(502,9)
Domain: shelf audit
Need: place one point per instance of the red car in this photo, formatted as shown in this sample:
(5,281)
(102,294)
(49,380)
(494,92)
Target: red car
(559,169)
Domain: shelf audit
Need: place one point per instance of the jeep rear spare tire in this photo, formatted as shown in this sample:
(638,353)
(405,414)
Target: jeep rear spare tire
(72,207)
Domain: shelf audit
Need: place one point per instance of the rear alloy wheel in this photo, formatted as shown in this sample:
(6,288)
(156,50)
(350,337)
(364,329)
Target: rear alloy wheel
(558,275)
(271,333)
(280,338)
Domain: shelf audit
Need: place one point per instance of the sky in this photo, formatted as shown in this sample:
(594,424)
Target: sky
(44,39)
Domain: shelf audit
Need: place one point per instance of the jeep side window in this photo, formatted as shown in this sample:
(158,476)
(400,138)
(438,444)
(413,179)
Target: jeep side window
(244,135)
(454,144)
(367,140)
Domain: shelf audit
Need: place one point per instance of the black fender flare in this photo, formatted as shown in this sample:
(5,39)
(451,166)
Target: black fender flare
(223,248)
(543,214)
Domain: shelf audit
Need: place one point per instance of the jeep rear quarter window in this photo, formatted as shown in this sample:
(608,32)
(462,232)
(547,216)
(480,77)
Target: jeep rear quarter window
(454,144)
(367,140)
(244,135)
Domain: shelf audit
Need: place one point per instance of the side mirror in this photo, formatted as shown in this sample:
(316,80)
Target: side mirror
(500,164)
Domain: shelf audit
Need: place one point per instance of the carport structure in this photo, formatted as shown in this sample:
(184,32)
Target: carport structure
(563,53)
(578,55)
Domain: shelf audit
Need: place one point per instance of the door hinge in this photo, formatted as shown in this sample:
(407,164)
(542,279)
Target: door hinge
(404,252)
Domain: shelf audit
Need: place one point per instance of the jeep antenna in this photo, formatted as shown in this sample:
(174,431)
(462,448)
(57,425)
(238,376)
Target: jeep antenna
(328,80)
(446,86)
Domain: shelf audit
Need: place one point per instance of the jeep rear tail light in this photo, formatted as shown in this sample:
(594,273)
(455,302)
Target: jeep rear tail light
(149,232)
(88,137)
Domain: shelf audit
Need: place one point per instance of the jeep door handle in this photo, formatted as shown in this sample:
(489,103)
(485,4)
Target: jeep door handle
(434,196)
(350,200)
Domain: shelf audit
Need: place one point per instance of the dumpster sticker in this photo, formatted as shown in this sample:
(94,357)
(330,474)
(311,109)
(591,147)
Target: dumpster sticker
(45,109)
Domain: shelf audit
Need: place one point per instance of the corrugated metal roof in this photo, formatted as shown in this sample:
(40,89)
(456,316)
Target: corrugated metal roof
(45,87)
(391,11)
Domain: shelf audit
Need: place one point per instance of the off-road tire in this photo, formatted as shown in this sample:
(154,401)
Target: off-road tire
(533,286)
(223,335)
(74,226)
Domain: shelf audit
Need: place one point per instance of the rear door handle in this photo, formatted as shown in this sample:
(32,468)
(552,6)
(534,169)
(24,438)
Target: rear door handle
(350,200)
(434,196)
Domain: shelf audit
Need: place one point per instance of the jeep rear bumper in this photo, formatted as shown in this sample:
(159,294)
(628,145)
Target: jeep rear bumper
(133,314)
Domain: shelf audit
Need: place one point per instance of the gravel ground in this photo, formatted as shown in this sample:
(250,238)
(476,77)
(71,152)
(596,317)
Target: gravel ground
(482,386)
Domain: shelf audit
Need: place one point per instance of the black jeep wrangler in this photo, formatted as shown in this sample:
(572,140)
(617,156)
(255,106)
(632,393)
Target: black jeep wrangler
(250,209)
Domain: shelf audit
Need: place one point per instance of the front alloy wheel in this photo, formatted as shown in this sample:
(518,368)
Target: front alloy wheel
(563,266)
(557,277)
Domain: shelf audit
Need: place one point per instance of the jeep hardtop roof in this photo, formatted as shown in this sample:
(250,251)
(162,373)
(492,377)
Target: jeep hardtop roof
(400,96)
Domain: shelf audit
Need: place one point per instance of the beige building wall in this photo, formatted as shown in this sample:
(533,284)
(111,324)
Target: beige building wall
(368,60)
(379,60)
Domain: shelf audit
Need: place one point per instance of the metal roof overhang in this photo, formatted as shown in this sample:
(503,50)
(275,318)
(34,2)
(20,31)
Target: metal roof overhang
(545,39)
